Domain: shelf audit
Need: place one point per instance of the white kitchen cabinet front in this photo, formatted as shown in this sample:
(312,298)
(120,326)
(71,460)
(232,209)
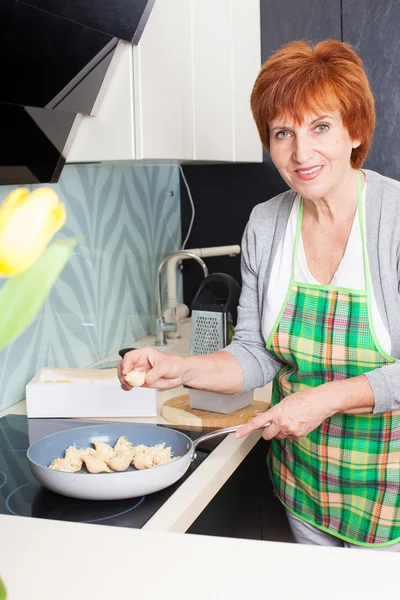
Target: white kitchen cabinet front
(163,98)
(212,80)
(182,94)
(246,61)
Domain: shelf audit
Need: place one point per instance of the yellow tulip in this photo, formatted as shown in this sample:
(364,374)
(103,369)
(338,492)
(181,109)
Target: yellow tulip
(28,221)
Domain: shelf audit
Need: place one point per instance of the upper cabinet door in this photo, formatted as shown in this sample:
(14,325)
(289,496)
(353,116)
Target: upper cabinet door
(163,84)
(226,62)
(213,80)
(246,64)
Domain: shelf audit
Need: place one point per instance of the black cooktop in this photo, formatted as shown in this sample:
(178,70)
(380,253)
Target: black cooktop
(22,495)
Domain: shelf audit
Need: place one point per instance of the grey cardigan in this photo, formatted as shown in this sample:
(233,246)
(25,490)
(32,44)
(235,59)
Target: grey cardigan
(261,238)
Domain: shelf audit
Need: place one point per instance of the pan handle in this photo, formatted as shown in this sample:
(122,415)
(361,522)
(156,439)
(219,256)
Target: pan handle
(217,433)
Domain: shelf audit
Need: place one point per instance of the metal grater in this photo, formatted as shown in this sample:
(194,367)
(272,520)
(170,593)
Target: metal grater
(214,311)
(207,332)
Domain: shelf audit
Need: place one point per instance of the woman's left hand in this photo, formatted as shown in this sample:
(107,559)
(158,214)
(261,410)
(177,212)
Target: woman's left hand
(294,416)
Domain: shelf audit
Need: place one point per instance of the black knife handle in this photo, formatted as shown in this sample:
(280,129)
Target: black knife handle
(124,351)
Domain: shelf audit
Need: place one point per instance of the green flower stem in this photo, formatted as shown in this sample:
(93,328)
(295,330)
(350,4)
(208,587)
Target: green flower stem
(22,297)
(3,591)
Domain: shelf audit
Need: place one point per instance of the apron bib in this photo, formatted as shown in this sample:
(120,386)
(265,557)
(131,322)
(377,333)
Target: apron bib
(343,477)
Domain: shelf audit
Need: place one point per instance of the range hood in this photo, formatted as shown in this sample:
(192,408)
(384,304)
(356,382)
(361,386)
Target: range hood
(54,57)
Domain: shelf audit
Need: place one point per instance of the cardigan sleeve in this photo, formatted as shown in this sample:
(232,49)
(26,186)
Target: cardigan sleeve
(248,346)
(385,384)
(385,381)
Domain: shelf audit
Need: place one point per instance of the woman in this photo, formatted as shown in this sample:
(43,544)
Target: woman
(319,306)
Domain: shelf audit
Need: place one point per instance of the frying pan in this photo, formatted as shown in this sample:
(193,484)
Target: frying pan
(114,486)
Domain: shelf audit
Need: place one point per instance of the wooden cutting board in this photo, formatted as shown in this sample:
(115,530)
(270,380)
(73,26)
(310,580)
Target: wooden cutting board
(178,411)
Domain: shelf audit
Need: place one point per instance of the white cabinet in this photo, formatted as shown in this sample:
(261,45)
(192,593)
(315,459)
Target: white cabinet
(246,58)
(182,94)
(163,98)
(212,80)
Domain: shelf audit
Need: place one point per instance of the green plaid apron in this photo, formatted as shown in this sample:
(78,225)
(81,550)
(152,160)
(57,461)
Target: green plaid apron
(343,477)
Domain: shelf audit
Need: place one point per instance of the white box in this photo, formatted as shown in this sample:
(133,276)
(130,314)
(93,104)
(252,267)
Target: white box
(86,393)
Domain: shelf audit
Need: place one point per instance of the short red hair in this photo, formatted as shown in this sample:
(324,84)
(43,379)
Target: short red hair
(302,78)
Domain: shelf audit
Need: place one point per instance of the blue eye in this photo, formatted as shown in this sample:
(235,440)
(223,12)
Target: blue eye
(324,128)
(281,135)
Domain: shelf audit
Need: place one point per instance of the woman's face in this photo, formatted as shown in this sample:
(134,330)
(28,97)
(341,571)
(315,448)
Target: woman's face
(314,157)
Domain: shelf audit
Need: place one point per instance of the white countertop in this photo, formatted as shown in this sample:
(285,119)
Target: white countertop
(53,560)
(190,499)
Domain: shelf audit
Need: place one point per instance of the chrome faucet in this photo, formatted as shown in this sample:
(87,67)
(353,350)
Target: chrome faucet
(162,326)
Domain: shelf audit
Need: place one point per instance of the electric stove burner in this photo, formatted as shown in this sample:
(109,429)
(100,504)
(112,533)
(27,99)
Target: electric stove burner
(32,500)
(14,434)
(13,438)
(22,495)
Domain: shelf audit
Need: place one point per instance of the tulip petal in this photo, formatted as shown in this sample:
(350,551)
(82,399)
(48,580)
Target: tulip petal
(43,194)
(28,231)
(56,219)
(11,203)
(22,297)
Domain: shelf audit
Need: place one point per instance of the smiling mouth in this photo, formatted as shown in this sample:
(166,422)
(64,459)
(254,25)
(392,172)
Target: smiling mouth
(309,171)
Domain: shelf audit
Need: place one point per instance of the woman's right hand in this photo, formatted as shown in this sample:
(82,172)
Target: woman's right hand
(163,370)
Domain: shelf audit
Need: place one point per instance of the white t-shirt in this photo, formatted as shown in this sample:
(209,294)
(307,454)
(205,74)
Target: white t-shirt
(350,273)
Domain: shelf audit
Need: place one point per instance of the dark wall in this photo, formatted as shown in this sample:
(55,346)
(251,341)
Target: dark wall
(283,21)
(224,195)
(372,27)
